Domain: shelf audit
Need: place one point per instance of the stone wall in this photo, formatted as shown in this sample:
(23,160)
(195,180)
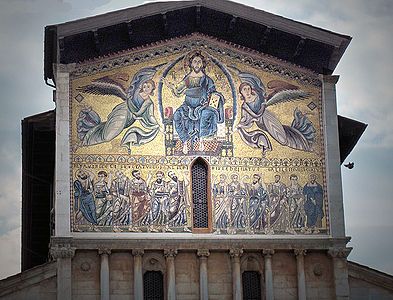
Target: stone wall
(319,276)
(121,275)
(219,276)
(284,275)
(86,275)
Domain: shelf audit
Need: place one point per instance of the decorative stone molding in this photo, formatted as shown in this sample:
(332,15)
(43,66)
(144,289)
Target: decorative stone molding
(170,253)
(339,252)
(85,266)
(138,252)
(203,253)
(300,252)
(268,252)
(235,252)
(104,251)
(62,251)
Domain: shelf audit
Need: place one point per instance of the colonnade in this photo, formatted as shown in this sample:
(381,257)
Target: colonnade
(64,255)
(203,254)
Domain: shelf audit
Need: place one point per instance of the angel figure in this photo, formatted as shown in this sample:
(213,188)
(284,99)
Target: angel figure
(299,135)
(137,106)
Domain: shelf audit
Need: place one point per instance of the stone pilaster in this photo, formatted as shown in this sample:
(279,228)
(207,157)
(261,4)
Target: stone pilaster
(332,151)
(203,254)
(268,254)
(62,152)
(237,292)
(340,271)
(301,278)
(104,273)
(63,255)
(170,255)
(138,273)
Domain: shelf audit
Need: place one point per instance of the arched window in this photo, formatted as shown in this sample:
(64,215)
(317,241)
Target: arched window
(153,285)
(200,196)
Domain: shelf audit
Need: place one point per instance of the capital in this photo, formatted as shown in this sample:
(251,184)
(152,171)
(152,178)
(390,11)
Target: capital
(300,252)
(235,252)
(105,251)
(62,251)
(339,252)
(332,79)
(138,252)
(170,253)
(268,252)
(203,253)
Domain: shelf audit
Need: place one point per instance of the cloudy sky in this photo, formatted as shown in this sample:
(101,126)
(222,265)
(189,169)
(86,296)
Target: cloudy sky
(364,93)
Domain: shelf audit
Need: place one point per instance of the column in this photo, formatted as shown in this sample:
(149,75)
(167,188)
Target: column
(138,276)
(63,255)
(268,253)
(203,254)
(340,271)
(237,292)
(332,152)
(301,278)
(104,273)
(171,274)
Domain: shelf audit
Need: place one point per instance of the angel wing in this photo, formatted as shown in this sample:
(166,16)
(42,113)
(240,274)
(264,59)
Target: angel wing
(108,85)
(284,92)
(252,79)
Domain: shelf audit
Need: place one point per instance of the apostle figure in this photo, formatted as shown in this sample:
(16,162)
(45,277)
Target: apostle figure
(257,203)
(313,204)
(159,211)
(84,198)
(177,201)
(121,201)
(222,208)
(102,198)
(296,202)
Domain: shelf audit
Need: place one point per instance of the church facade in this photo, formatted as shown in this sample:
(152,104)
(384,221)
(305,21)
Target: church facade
(196,162)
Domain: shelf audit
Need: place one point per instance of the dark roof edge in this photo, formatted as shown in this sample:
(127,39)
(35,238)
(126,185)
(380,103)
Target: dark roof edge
(233,8)
(44,114)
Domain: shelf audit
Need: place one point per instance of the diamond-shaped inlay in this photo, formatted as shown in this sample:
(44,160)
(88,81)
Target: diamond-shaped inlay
(79,98)
(312,105)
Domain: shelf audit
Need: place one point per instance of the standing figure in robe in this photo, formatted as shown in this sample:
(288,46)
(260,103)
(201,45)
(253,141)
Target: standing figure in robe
(222,208)
(258,200)
(121,202)
(177,201)
(195,120)
(278,206)
(237,202)
(84,197)
(296,202)
(102,198)
(159,213)
(313,203)
(139,199)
